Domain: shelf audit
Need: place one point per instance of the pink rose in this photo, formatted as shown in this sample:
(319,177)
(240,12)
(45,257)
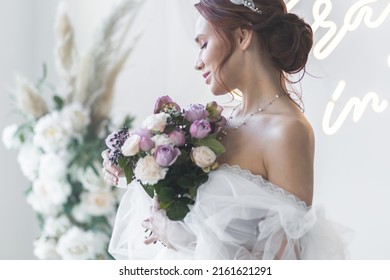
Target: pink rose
(200,129)
(195,112)
(166,155)
(143,132)
(146,144)
(178,137)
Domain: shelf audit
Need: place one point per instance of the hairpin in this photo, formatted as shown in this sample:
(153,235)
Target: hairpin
(247,3)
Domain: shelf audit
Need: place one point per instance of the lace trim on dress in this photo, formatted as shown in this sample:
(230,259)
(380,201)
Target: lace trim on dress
(266,185)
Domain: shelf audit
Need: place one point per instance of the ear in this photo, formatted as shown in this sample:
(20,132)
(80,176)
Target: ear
(244,38)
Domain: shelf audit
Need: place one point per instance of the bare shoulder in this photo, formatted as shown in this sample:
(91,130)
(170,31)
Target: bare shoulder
(289,155)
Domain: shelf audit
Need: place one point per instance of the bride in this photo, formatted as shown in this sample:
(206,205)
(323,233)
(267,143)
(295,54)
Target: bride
(258,203)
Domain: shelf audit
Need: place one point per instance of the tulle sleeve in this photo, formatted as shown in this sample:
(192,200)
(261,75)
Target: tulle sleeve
(236,215)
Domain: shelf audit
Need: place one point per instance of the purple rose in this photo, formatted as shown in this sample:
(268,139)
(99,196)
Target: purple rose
(200,129)
(195,112)
(146,144)
(178,137)
(166,155)
(165,102)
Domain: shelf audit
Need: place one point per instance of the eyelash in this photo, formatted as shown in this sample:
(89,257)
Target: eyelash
(203,46)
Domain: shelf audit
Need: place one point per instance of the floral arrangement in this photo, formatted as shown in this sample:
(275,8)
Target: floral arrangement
(60,140)
(172,153)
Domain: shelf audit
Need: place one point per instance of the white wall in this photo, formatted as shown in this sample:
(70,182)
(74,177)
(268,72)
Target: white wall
(18,226)
(351,165)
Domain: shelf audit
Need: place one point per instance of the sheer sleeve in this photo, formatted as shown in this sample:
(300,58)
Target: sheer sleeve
(236,215)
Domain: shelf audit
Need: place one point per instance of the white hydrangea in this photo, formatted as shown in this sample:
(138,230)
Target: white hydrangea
(148,171)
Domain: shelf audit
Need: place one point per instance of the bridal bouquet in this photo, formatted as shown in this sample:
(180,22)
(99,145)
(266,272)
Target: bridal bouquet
(172,153)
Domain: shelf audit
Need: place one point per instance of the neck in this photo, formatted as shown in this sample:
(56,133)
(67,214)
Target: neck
(258,91)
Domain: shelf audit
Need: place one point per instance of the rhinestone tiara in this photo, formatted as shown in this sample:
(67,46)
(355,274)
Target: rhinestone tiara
(247,3)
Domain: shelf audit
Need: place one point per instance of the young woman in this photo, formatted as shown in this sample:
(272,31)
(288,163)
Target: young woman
(257,204)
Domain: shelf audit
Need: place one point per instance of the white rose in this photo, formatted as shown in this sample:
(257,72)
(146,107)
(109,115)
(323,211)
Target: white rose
(55,227)
(50,133)
(162,139)
(76,244)
(131,145)
(52,167)
(203,156)
(90,180)
(148,171)
(80,214)
(54,192)
(99,242)
(9,139)
(29,158)
(77,117)
(156,122)
(98,203)
(40,202)
(45,249)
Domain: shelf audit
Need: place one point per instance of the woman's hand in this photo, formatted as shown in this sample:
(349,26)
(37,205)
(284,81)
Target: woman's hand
(157,223)
(111,172)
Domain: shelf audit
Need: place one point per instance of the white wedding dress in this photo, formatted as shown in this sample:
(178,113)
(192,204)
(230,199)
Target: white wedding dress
(237,215)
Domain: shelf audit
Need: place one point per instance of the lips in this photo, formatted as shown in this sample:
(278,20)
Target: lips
(205,75)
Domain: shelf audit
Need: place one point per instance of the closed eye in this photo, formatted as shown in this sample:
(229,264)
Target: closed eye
(203,46)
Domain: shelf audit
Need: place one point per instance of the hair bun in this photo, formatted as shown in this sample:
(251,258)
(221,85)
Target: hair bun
(289,42)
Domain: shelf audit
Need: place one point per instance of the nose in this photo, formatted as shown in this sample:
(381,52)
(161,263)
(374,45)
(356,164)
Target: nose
(199,64)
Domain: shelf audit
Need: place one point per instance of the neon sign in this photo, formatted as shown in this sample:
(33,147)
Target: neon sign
(355,106)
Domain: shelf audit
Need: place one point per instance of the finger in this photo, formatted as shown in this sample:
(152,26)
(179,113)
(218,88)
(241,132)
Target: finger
(104,154)
(156,204)
(151,239)
(109,177)
(146,224)
(114,169)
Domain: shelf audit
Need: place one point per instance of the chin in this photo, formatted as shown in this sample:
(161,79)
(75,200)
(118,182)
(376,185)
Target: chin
(218,90)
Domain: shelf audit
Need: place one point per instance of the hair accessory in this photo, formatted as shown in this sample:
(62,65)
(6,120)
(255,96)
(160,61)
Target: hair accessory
(247,3)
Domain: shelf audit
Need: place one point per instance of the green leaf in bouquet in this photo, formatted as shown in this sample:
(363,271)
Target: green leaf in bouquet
(182,158)
(149,189)
(186,200)
(127,169)
(212,143)
(59,102)
(192,191)
(177,210)
(165,195)
(185,181)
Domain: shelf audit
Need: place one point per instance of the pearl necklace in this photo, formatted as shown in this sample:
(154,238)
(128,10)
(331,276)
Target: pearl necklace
(224,131)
